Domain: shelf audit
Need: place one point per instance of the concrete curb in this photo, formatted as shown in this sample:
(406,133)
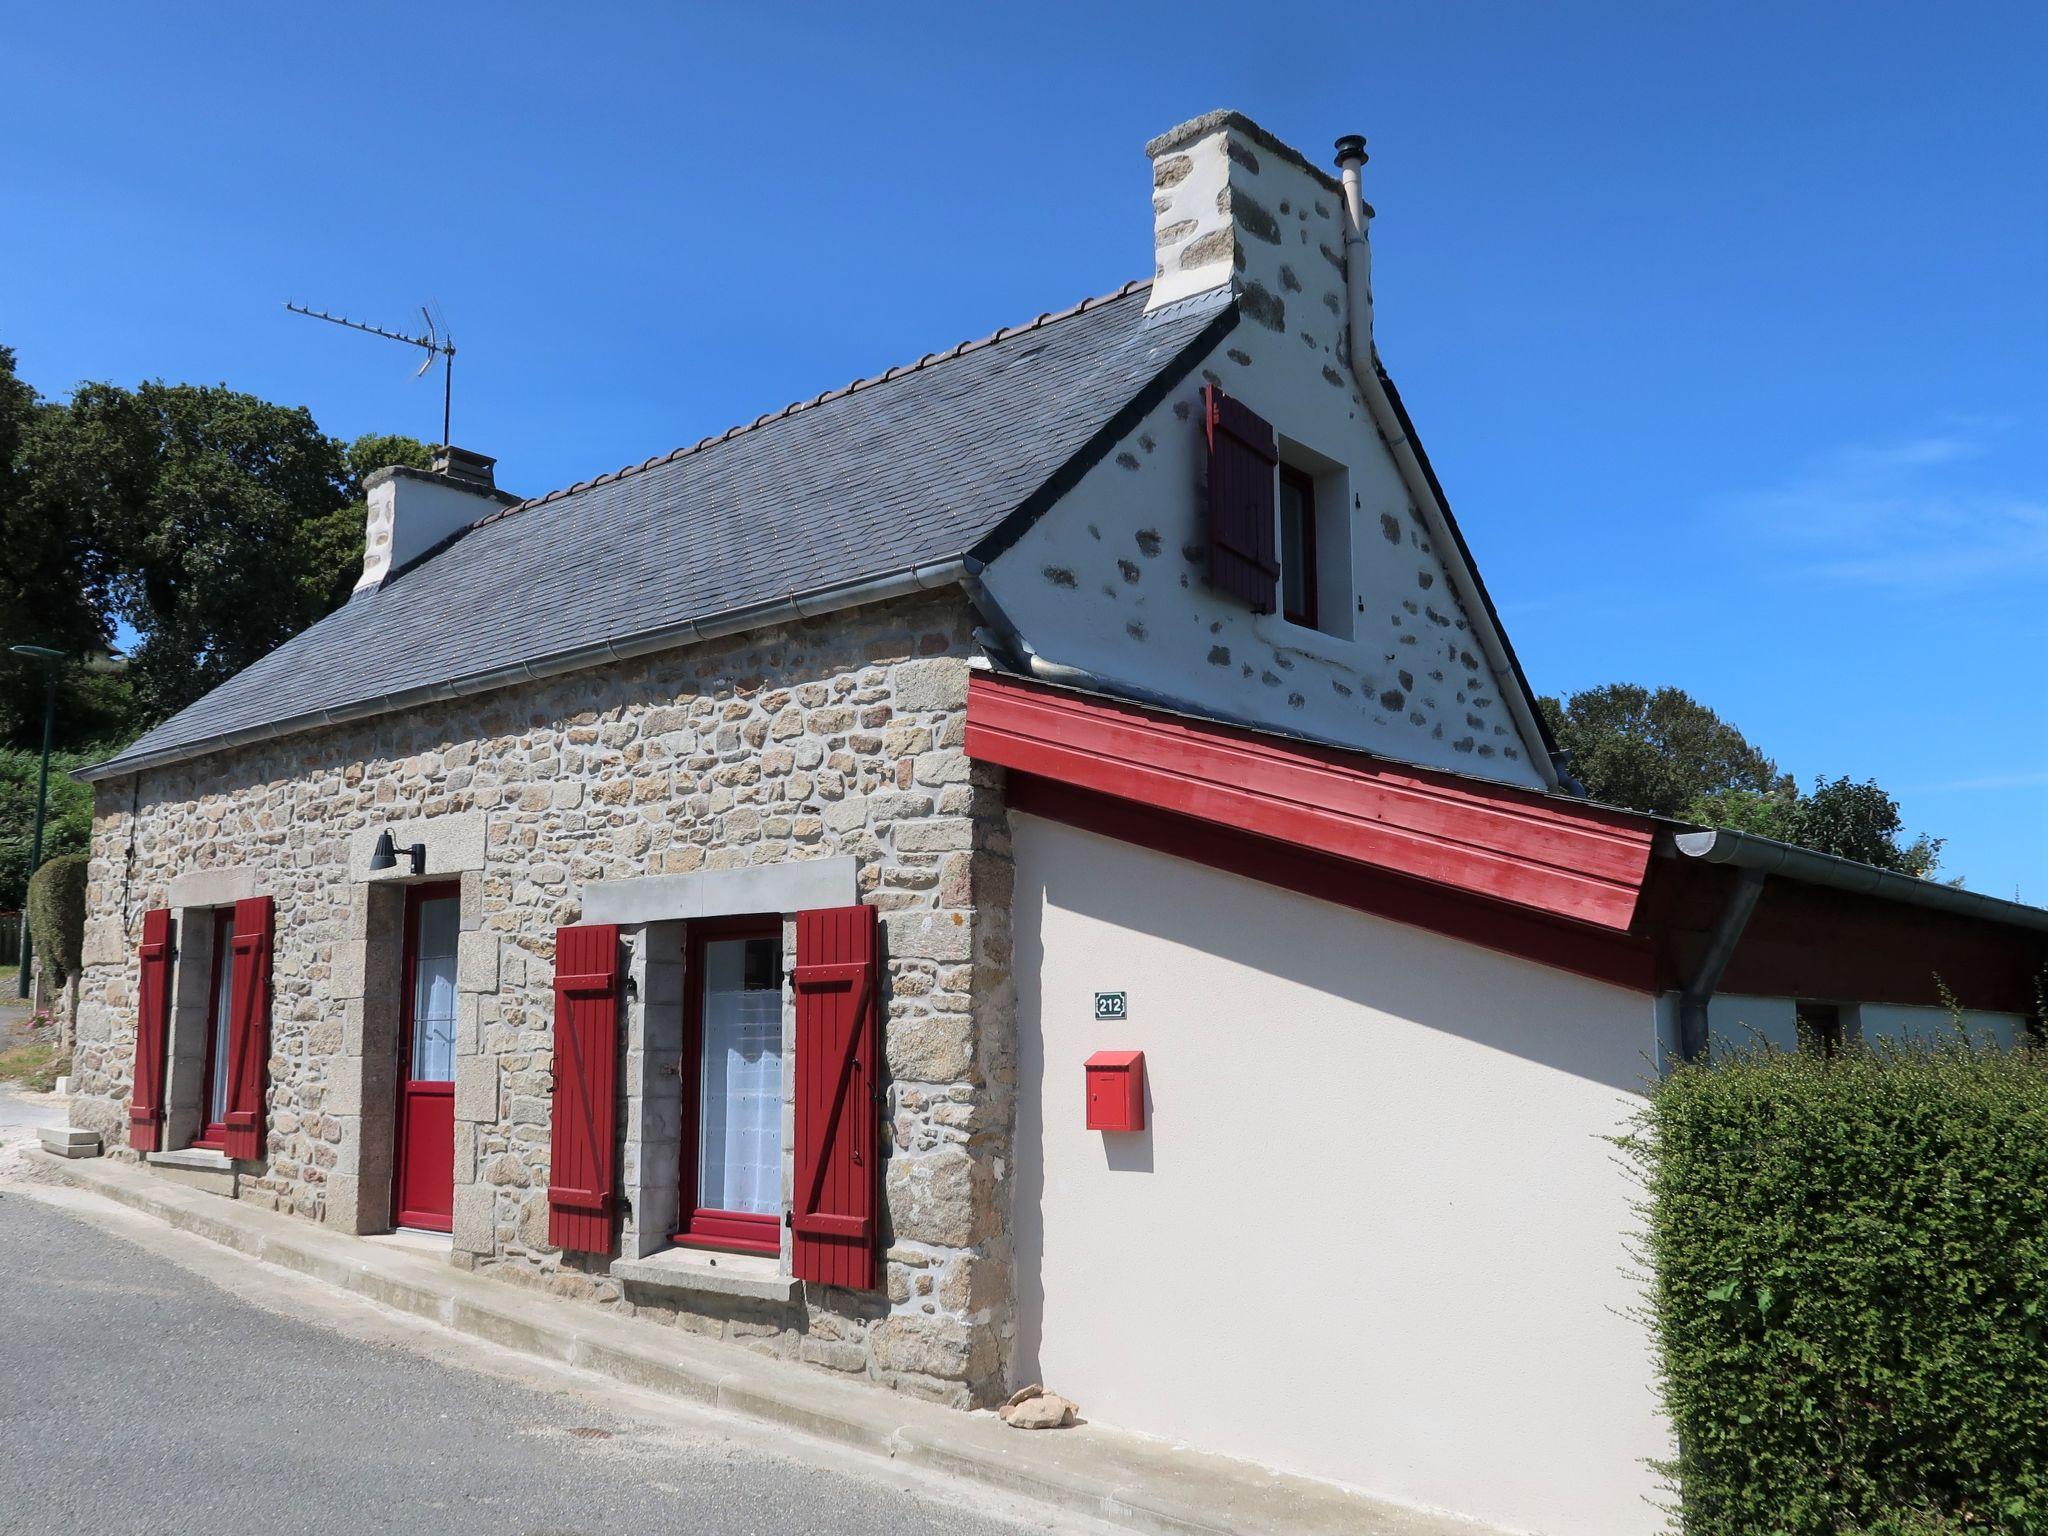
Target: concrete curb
(1146,1485)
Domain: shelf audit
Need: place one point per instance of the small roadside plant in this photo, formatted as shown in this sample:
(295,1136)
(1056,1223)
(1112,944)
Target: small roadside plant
(56,914)
(1848,1261)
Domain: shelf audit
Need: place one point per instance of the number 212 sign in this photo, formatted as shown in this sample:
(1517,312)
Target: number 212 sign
(1111,1005)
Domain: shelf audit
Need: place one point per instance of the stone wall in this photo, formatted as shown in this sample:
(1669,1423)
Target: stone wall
(842,736)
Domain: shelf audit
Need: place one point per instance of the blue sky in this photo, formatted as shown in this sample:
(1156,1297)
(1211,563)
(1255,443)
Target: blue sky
(1725,324)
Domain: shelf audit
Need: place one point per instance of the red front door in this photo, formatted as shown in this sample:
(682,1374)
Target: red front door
(423,1193)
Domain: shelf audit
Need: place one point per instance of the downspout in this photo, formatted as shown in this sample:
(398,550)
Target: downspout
(1358,287)
(1706,977)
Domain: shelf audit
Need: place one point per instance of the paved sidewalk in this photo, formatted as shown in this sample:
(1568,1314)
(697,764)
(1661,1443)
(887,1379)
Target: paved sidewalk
(1139,1484)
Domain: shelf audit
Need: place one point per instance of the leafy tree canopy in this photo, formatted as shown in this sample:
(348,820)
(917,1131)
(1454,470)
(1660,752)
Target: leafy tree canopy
(53,580)
(1664,752)
(67,826)
(210,523)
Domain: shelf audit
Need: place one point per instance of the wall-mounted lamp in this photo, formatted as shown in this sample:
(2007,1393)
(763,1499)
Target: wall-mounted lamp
(385,854)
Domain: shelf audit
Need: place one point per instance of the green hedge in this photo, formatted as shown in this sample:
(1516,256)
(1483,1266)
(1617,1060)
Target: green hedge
(1849,1265)
(56,914)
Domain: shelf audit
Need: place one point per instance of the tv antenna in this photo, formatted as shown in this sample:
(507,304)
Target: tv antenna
(436,343)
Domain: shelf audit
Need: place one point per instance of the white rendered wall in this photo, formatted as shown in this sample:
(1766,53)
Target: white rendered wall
(1886,1021)
(1739,1021)
(1736,1020)
(1371,1233)
(1112,577)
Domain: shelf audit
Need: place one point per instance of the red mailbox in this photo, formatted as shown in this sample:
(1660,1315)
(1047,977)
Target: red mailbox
(1116,1091)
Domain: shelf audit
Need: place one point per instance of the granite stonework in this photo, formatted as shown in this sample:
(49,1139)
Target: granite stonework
(841,737)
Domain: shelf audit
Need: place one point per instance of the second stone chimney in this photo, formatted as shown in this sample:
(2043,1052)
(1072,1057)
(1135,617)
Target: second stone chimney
(1232,204)
(412,510)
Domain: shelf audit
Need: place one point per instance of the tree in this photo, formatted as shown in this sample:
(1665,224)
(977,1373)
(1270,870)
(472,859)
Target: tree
(1776,814)
(53,578)
(216,525)
(1861,821)
(56,914)
(1660,751)
(335,542)
(206,500)
(1667,753)
(68,828)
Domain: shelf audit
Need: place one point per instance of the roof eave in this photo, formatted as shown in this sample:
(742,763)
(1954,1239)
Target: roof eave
(793,607)
(1746,850)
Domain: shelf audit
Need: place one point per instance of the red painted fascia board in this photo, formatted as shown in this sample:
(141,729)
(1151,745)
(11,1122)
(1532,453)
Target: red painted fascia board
(1570,861)
(1622,960)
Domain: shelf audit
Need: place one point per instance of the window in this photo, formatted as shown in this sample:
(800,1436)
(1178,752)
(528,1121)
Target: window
(1298,547)
(1820,1027)
(219,1051)
(437,919)
(732,1094)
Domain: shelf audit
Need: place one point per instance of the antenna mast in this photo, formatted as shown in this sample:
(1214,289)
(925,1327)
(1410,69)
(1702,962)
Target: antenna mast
(436,343)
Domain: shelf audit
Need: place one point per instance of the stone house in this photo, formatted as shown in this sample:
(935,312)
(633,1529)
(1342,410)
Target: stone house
(1041,863)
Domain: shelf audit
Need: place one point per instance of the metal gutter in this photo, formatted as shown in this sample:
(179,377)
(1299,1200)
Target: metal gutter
(1766,856)
(734,621)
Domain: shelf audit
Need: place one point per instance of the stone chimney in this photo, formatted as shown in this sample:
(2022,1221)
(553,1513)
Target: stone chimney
(412,510)
(1232,204)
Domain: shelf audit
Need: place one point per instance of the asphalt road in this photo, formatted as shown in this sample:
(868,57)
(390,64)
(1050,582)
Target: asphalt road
(139,1396)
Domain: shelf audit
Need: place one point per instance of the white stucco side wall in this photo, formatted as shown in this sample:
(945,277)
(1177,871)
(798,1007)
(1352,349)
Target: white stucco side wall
(1887,1021)
(1735,1021)
(1371,1233)
(1112,578)
(1738,1022)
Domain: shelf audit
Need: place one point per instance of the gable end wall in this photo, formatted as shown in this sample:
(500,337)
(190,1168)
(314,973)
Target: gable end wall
(1112,578)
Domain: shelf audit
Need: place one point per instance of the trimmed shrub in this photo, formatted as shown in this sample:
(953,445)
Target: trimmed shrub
(1850,1289)
(56,914)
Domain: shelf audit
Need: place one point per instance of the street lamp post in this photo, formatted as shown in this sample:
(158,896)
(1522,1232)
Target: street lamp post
(49,658)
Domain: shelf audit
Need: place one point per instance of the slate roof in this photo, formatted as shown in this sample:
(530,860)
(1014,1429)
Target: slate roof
(914,468)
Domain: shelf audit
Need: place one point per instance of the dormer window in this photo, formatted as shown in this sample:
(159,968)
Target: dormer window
(1298,544)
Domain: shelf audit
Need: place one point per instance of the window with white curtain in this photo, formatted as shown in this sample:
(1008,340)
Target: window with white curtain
(739,1145)
(222,1012)
(433,989)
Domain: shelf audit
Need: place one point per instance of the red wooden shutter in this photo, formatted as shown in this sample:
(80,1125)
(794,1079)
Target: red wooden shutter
(586,1074)
(152,1020)
(249,1028)
(1243,456)
(838,1140)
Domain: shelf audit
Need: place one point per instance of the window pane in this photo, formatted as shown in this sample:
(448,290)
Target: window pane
(433,990)
(223,998)
(1295,532)
(739,1147)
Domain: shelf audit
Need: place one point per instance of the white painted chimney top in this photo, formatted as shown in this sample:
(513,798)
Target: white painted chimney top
(412,510)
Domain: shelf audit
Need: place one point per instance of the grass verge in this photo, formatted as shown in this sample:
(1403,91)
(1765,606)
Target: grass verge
(35,1067)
